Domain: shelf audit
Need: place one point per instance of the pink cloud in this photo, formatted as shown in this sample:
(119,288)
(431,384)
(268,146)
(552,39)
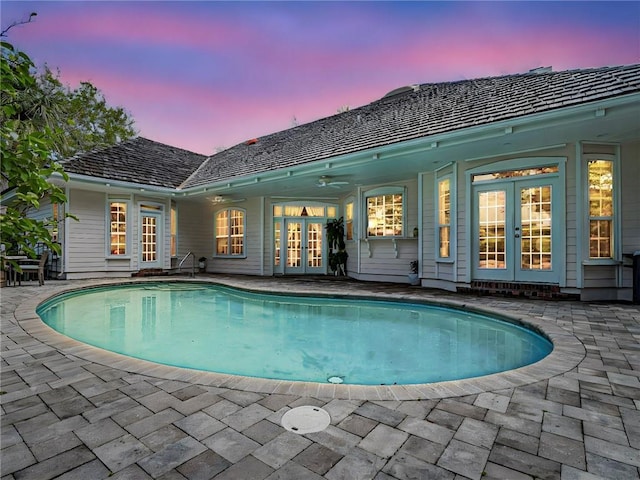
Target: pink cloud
(205,74)
(135,26)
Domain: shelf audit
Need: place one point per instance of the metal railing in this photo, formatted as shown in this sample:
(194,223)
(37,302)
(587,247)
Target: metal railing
(193,264)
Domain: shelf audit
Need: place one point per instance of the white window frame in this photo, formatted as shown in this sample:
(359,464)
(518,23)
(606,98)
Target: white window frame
(451,224)
(616,226)
(128,227)
(229,234)
(173,236)
(354,229)
(379,192)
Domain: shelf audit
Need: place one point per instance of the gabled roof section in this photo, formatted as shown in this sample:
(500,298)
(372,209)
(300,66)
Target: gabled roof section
(419,111)
(139,160)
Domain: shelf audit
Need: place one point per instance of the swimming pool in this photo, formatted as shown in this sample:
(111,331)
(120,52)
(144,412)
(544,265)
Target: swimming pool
(221,329)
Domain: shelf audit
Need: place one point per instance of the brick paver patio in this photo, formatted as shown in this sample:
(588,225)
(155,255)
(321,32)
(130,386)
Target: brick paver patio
(71,413)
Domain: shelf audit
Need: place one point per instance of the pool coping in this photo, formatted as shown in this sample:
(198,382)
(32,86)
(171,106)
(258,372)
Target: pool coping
(567,351)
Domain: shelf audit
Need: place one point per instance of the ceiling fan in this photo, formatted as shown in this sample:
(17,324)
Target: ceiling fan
(326,181)
(221,199)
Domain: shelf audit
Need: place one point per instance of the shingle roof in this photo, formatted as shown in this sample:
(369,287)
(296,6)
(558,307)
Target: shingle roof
(431,109)
(139,160)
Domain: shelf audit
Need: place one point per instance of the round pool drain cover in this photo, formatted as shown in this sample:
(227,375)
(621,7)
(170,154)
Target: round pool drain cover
(335,379)
(305,419)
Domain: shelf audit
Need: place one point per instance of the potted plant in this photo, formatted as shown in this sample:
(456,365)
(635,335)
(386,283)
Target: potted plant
(338,255)
(414,279)
(202,263)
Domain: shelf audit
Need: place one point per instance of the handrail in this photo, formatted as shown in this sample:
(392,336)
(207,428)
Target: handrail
(193,264)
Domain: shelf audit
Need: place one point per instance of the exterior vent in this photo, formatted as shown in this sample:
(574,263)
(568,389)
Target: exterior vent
(541,70)
(401,90)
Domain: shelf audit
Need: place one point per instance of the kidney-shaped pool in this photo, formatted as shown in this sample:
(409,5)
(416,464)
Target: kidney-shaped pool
(317,339)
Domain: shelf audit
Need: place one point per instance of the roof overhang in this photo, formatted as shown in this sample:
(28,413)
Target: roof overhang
(610,120)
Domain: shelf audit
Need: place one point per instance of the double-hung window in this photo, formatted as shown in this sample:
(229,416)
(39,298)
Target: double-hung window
(601,200)
(117,228)
(174,230)
(348,220)
(385,212)
(230,232)
(444,218)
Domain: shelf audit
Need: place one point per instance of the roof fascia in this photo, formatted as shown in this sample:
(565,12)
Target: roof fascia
(431,142)
(106,182)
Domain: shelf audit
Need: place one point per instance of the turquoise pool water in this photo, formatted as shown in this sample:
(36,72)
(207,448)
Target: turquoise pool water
(225,330)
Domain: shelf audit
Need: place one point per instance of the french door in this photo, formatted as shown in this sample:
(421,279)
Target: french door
(304,246)
(517,232)
(151,239)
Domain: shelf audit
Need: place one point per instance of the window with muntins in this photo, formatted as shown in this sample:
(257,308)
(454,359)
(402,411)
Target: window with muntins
(174,230)
(385,215)
(601,208)
(230,230)
(117,228)
(444,218)
(348,220)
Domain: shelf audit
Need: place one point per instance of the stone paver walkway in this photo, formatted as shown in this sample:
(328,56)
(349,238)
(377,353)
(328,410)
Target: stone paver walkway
(70,414)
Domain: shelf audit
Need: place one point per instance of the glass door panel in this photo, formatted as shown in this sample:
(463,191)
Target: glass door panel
(315,248)
(294,244)
(535,225)
(492,222)
(514,232)
(304,247)
(150,239)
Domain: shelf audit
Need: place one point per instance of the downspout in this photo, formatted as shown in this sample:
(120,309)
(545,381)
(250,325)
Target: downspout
(263,240)
(580,223)
(617,213)
(65,247)
(361,228)
(454,220)
(420,224)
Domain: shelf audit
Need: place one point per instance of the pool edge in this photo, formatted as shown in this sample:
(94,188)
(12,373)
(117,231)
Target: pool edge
(567,353)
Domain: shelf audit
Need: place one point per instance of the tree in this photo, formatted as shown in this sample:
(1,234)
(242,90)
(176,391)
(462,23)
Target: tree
(41,122)
(338,255)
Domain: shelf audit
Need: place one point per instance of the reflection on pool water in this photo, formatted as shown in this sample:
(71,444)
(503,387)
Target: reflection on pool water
(225,330)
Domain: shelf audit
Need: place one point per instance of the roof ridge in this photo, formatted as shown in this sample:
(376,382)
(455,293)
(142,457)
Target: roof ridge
(535,74)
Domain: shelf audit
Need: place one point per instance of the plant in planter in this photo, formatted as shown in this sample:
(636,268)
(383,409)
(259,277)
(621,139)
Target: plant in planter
(337,249)
(414,279)
(202,263)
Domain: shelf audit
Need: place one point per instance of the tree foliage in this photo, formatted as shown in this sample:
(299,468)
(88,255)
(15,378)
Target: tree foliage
(41,122)
(338,255)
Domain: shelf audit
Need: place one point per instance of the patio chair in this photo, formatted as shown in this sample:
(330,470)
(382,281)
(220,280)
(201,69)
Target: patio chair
(39,267)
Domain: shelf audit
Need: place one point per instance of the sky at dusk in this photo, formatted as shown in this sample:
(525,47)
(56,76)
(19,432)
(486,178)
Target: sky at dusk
(204,75)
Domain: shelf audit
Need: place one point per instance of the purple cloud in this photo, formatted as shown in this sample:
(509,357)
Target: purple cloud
(202,75)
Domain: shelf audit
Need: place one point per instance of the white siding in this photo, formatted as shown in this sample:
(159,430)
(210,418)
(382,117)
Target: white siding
(86,248)
(195,229)
(253,241)
(383,257)
(630,215)
(571,198)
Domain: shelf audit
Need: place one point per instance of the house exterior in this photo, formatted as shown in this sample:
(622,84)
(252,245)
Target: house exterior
(525,182)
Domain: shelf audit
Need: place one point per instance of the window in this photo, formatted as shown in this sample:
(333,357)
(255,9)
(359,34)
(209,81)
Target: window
(230,232)
(174,230)
(55,219)
(601,208)
(348,220)
(118,228)
(276,243)
(385,215)
(444,218)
